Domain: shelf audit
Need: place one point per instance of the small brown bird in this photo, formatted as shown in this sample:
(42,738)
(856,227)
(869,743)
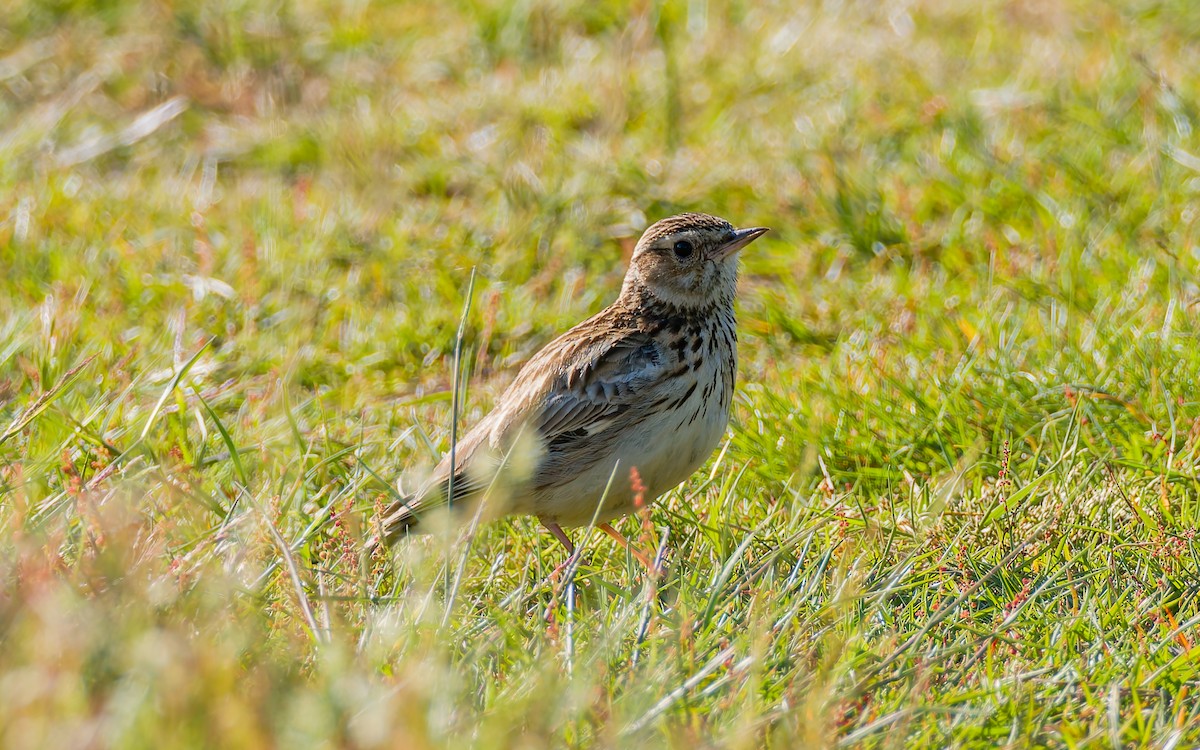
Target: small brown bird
(646,383)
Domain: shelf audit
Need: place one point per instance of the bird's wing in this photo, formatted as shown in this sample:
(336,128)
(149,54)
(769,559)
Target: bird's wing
(600,384)
(577,394)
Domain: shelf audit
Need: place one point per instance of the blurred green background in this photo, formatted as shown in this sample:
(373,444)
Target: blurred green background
(958,500)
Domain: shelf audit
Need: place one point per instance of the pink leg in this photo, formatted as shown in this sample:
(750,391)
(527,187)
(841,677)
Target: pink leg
(565,540)
(560,535)
(621,540)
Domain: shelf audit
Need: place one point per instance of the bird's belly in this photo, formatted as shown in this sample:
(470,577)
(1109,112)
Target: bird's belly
(665,451)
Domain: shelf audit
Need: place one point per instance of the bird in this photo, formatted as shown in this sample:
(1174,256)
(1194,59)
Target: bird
(645,384)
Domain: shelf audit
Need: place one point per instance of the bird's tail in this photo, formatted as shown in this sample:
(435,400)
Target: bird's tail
(403,516)
(393,524)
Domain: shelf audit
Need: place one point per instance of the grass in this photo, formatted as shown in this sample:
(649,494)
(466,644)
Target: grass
(958,499)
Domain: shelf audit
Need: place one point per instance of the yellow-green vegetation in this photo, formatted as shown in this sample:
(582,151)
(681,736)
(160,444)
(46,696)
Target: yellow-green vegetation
(958,498)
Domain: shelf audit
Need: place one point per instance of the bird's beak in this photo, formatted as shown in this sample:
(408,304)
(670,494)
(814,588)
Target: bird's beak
(738,239)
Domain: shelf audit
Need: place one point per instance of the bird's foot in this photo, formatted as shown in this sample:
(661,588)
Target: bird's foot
(647,560)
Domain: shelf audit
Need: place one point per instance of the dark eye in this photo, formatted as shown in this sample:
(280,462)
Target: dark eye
(683,249)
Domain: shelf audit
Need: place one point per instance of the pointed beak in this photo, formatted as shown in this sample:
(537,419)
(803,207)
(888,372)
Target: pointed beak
(738,239)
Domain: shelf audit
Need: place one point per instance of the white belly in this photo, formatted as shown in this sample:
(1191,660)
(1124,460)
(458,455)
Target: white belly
(665,450)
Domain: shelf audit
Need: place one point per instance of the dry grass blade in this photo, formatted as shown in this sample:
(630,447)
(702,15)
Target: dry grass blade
(318,633)
(44,400)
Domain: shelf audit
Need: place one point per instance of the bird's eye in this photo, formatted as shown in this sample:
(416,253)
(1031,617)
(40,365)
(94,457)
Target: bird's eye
(683,249)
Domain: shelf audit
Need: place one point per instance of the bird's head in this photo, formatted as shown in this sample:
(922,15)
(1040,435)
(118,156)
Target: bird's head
(689,260)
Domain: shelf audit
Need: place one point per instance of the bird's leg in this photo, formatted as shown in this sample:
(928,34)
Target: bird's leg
(560,535)
(607,528)
(569,565)
(565,540)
